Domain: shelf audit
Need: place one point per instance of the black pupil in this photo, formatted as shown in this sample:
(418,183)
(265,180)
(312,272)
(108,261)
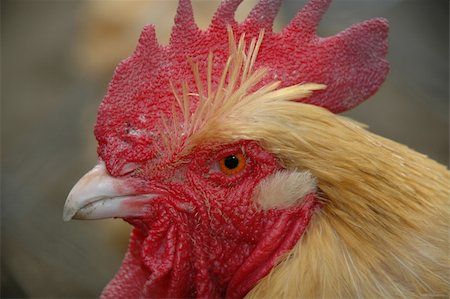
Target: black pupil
(231,162)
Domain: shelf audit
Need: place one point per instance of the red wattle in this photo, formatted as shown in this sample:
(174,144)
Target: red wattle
(282,236)
(175,257)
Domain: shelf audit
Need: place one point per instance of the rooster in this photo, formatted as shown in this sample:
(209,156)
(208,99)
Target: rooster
(224,150)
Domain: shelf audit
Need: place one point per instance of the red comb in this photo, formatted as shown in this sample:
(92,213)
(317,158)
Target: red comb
(351,64)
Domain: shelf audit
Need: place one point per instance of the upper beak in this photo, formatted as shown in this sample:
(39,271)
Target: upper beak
(98,195)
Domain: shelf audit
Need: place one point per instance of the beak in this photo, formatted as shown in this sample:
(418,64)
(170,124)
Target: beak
(98,195)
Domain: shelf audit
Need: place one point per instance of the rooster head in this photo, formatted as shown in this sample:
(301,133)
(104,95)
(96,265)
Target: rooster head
(196,145)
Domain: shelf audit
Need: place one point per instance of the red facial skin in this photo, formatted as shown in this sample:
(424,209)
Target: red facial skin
(205,237)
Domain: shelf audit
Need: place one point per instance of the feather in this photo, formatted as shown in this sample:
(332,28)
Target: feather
(284,189)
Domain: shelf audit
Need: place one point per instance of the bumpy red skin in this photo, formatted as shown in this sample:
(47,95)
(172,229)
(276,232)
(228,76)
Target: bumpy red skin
(205,237)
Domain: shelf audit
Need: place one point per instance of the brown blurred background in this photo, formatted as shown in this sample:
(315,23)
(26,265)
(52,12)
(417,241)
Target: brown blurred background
(57,59)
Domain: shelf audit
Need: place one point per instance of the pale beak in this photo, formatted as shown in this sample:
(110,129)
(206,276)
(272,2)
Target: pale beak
(99,195)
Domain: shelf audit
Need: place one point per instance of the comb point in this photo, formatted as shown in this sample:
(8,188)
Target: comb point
(185,27)
(369,68)
(308,18)
(148,41)
(263,14)
(225,13)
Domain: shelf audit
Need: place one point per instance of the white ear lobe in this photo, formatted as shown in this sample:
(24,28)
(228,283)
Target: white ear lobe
(283,189)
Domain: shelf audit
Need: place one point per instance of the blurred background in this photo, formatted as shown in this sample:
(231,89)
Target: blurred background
(57,59)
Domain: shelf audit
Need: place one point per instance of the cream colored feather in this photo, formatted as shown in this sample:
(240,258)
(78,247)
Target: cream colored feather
(383,228)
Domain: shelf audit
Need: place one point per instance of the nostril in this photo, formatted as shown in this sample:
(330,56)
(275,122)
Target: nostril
(128,168)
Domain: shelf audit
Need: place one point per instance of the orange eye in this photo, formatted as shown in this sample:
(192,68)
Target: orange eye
(232,164)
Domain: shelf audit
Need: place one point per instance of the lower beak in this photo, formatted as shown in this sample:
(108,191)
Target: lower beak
(98,195)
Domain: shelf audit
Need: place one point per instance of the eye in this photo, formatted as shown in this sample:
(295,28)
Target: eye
(232,164)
